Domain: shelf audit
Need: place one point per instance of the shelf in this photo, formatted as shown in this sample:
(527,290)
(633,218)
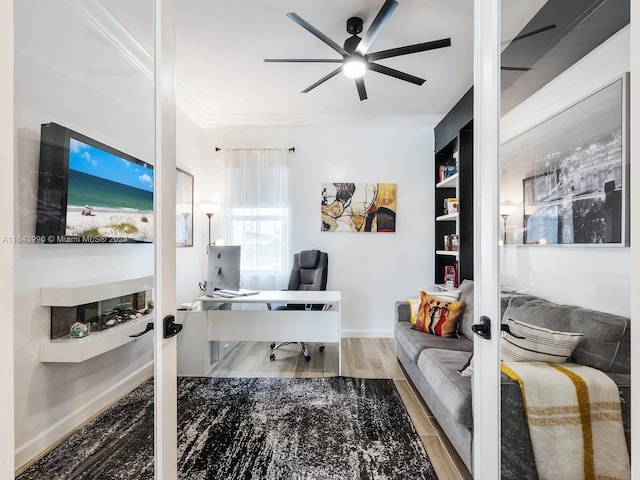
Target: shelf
(81,293)
(450,217)
(451,182)
(76,350)
(453,145)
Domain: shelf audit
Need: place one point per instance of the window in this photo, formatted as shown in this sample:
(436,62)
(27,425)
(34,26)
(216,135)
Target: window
(259,231)
(257,214)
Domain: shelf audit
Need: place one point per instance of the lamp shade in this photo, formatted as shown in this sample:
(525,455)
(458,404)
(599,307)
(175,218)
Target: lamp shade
(506,210)
(183,208)
(209,208)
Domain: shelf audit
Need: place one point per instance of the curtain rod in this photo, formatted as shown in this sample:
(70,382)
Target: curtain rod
(291,149)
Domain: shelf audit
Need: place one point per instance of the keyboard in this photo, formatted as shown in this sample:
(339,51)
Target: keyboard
(220,294)
(226,293)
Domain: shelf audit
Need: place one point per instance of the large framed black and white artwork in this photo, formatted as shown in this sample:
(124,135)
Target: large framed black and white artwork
(566,178)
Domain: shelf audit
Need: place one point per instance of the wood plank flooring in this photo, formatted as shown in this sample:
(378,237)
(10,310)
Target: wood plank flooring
(361,357)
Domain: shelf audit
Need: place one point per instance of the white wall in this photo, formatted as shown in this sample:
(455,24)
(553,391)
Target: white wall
(195,155)
(594,277)
(371,269)
(65,72)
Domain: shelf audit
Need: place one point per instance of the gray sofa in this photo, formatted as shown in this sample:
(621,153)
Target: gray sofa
(432,364)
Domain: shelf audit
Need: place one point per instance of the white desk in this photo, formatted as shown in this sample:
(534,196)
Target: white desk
(246,321)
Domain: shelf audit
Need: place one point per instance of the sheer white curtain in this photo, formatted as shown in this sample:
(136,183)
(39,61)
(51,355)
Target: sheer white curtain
(256,214)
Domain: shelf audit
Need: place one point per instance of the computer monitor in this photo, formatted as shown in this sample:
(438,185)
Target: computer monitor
(223,268)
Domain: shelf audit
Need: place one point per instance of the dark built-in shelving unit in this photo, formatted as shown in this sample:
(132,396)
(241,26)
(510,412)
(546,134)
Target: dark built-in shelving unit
(454,146)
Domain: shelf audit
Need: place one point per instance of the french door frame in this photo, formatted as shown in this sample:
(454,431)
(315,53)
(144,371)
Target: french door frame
(634,206)
(486,386)
(7,139)
(486,131)
(165,350)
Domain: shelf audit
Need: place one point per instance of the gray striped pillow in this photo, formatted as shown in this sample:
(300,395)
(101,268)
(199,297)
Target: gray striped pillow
(538,345)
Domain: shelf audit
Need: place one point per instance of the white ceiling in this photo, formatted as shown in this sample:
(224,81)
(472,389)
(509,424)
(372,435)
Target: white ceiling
(221,46)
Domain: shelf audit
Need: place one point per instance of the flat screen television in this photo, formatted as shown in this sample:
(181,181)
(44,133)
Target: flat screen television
(223,268)
(89,192)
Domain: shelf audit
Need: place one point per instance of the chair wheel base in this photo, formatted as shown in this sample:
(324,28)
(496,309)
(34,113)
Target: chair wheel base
(273,345)
(321,348)
(307,358)
(272,357)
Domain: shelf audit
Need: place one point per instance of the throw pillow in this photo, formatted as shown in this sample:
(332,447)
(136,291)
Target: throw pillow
(414,303)
(451,295)
(538,345)
(467,369)
(438,316)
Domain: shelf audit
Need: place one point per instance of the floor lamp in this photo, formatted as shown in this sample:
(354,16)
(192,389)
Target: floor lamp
(505,212)
(209,210)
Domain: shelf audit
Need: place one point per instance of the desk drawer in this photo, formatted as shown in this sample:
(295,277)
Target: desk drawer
(220,349)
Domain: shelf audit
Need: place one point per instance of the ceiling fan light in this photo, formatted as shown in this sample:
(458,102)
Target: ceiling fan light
(354,67)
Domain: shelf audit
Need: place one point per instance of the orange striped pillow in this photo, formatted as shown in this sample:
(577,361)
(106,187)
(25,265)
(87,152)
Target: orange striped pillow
(438,316)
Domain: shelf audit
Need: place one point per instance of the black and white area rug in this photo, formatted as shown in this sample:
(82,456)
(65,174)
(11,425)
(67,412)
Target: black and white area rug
(336,428)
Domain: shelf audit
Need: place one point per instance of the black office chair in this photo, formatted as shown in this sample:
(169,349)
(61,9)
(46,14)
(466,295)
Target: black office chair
(309,272)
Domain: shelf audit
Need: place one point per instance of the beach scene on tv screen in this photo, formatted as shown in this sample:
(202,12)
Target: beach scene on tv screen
(108,196)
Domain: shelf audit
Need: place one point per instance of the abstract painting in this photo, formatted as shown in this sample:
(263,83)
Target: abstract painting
(566,177)
(358,207)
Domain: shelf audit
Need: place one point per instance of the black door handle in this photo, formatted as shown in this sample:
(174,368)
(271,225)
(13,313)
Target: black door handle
(505,328)
(169,327)
(148,328)
(483,329)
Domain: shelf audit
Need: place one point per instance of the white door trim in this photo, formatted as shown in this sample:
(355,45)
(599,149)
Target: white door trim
(165,350)
(7,136)
(486,381)
(634,179)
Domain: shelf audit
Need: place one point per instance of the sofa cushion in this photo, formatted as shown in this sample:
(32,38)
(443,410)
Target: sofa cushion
(440,370)
(524,342)
(605,345)
(607,342)
(402,311)
(438,315)
(466,319)
(413,341)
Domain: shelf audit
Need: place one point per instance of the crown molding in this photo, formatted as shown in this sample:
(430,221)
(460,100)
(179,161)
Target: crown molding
(427,120)
(94,14)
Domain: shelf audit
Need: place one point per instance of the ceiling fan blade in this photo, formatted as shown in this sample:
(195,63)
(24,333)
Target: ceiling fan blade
(515,69)
(314,31)
(395,73)
(534,32)
(322,80)
(302,60)
(418,47)
(374,30)
(361,90)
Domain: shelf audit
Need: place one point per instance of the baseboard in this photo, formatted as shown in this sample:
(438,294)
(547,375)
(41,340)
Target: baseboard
(367,333)
(39,445)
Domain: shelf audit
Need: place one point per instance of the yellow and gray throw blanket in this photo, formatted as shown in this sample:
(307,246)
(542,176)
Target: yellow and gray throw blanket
(575,421)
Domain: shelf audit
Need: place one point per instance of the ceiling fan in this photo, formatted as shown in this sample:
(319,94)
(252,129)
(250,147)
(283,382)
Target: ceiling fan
(522,37)
(356,58)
